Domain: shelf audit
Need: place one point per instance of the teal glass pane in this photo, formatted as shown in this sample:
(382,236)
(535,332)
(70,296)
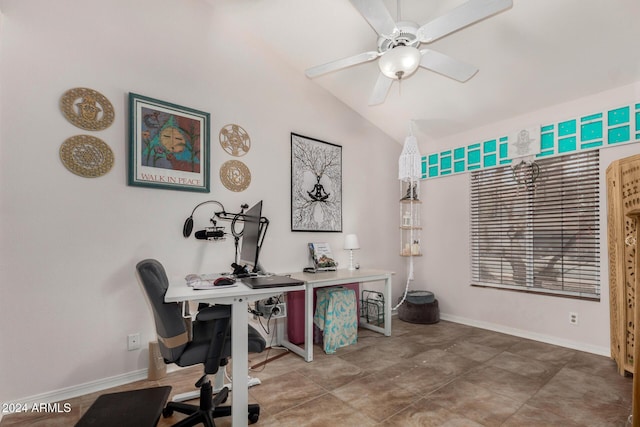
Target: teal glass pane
(591,131)
(505,162)
(433,159)
(504,150)
(489,146)
(473,167)
(567,128)
(591,145)
(618,116)
(547,128)
(458,153)
(445,163)
(447,172)
(490,160)
(638,120)
(619,134)
(473,146)
(591,117)
(433,171)
(473,157)
(567,145)
(424,165)
(458,166)
(546,141)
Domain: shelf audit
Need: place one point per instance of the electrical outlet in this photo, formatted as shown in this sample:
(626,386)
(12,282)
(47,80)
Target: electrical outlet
(133,341)
(573,318)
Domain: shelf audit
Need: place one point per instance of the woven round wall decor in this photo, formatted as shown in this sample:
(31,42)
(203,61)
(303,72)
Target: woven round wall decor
(234,140)
(87,109)
(87,156)
(235,175)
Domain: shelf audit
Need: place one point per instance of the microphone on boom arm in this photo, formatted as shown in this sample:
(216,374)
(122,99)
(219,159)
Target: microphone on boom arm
(211,233)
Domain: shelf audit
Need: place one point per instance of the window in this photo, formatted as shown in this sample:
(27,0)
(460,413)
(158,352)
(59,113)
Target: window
(542,236)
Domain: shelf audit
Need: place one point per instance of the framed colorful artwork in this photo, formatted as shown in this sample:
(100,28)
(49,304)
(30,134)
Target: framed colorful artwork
(316,185)
(168,145)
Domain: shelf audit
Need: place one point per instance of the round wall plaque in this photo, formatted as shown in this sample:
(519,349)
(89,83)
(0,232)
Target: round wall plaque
(87,109)
(235,140)
(235,175)
(86,156)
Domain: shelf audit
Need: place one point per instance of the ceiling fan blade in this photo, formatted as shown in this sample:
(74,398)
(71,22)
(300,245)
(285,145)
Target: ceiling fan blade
(380,90)
(341,63)
(377,15)
(466,14)
(446,65)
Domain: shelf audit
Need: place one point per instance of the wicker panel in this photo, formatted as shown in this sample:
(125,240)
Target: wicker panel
(623,192)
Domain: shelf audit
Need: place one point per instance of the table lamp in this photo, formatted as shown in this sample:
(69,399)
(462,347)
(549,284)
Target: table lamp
(351,243)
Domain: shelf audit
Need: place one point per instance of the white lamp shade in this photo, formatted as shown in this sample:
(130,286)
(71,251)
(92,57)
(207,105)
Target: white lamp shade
(400,62)
(351,242)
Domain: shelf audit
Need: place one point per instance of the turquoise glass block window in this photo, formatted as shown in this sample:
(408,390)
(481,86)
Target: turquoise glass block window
(591,131)
(490,157)
(547,141)
(566,128)
(433,165)
(619,129)
(619,134)
(445,162)
(618,116)
(567,145)
(503,150)
(458,160)
(473,157)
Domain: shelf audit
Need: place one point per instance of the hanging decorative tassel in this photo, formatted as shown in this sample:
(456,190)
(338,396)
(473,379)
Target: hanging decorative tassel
(409,164)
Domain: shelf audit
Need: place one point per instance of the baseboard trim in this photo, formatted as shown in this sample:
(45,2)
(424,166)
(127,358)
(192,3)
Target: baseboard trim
(602,351)
(81,389)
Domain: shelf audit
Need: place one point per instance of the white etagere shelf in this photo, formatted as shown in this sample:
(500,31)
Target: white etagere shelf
(410,228)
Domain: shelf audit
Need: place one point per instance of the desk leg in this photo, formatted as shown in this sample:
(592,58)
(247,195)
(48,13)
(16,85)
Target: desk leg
(308,323)
(387,308)
(240,357)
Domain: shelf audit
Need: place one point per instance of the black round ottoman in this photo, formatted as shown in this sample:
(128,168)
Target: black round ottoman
(419,307)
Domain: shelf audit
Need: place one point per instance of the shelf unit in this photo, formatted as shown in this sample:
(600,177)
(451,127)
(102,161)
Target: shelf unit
(410,228)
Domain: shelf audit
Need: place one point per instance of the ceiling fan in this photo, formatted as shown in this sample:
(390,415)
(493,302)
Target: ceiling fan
(398,44)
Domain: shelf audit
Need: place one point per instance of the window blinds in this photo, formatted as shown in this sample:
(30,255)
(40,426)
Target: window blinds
(540,237)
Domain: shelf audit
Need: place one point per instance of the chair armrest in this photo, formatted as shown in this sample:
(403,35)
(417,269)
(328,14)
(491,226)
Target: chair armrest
(214,312)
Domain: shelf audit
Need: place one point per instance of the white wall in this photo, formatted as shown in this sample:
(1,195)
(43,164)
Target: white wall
(446,270)
(69,244)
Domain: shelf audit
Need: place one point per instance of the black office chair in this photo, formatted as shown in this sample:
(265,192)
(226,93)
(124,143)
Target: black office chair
(210,345)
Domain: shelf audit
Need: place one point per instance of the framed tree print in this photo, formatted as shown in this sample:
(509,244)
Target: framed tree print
(316,185)
(168,145)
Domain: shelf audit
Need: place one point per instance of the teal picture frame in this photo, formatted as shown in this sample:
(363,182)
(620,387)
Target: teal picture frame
(169,145)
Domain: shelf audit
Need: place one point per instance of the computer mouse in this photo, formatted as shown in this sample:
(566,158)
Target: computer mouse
(223,281)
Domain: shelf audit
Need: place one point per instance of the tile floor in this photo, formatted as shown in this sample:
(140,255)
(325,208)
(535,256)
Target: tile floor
(444,374)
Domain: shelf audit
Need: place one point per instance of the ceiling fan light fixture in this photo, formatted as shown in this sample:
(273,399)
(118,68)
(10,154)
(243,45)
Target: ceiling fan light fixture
(400,62)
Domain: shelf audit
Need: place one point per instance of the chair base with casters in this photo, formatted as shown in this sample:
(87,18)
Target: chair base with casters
(209,407)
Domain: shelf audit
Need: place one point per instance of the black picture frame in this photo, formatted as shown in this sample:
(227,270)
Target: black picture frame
(316,185)
(168,145)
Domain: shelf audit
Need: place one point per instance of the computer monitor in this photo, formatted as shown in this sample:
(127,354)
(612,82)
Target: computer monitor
(252,236)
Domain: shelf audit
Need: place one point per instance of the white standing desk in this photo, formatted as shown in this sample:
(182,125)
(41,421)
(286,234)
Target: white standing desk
(238,297)
(333,278)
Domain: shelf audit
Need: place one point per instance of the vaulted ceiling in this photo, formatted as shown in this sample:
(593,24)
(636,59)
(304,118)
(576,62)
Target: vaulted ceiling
(536,54)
